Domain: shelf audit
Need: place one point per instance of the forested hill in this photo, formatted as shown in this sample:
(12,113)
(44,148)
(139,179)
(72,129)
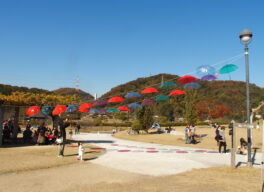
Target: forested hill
(230,93)
(8,90)
(71,91)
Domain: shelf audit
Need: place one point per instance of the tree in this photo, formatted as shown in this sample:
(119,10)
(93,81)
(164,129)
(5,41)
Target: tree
(167,110)
(145,118)
(190,113)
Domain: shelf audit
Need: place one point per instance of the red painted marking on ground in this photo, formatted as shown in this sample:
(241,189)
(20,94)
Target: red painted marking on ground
(114,144)
(150,148)
(123,150)
(181,152)
(152,151)
(200,151)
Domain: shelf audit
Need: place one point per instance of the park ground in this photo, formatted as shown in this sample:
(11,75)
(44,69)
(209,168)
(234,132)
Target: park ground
(37,168)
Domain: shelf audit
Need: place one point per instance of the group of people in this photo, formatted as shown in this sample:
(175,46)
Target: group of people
(10,131)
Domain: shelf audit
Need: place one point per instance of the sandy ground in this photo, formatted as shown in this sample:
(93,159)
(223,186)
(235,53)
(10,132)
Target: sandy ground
(207,142)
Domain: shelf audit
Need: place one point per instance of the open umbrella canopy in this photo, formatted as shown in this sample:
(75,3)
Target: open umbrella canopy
(86,105)
(94,110)
(123,108)
(187,79)
(205,70)
(59,109)
(168,85)
(112,110)
(132,94)
(149,90)
(192,85)
(102,111)
(162,98)
(228,69)
(209,78)
(46,110)
(115,99)
(39,115)
(83,109)
(148,102)
(72,108)
(135,106)
(177,92)
(33,110)
(100,103)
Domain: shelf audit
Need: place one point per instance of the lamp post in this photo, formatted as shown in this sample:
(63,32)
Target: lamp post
(245,37)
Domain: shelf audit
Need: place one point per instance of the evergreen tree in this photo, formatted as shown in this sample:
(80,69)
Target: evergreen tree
(190,113)
(145,118)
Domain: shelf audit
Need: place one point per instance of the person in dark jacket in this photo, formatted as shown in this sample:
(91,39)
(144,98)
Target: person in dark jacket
(63,124)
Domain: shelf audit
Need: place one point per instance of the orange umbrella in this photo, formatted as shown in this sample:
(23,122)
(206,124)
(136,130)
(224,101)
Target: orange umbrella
(149,90)
(177,92)
(115,99)
(187,79)
(59,109)
(33,110)
(123,108)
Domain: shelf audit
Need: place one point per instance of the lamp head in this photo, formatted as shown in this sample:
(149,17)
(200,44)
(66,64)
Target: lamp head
(245,36)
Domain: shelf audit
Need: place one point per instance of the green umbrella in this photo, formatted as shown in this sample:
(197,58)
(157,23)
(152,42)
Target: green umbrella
(168,85)
(46,110)
(162,98)
(228,69)
(112,110)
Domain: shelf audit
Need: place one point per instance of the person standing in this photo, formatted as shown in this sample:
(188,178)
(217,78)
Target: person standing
(222,139)
(63,124)
(80,152)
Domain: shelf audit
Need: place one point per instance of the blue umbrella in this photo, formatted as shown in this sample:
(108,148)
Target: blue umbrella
(228,69)
(135,106)
(162,98)
(168,85)
(112,110)
(192,85)
(72,108)
(205,70)
(94,110)
(132,94)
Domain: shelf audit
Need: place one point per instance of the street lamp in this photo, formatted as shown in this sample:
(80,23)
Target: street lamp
(245,37)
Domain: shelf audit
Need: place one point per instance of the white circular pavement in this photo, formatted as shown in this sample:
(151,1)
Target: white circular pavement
(154,159)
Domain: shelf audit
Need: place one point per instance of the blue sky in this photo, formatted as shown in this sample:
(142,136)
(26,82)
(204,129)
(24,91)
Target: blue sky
(47,44)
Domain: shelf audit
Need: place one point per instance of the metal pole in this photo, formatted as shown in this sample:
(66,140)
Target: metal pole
(233,150)
(248,106)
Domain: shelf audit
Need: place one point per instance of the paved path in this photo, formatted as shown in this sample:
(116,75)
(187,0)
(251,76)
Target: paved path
(154,159)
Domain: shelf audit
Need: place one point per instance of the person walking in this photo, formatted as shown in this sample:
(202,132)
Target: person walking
(63,124)
(222,141)
(80,152)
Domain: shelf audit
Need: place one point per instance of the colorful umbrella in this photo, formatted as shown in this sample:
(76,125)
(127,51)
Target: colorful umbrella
(102,111)
(168,85)
(94,110)
(46,110)
(228,69)
(33,110)
(177,92)
(148,102)
(187,79)
(149,90)
(112,110)
(123,108)
(83,109)
(205,70)
(86,105)
(192,85)
(100,102)
(135,106)
(132,94)
(162,98)
(209,78)
(72,108)
(115,99)
(59,109)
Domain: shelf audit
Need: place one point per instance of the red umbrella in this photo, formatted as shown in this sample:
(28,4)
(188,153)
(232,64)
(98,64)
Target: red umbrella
(83,109)
(123,108)
(149,90)
(177,92)
(33,110)
(187,79)
(115,99)
(86,105)
(59,109)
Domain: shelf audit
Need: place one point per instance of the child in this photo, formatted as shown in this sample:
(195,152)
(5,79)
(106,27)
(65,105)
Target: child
(80,152)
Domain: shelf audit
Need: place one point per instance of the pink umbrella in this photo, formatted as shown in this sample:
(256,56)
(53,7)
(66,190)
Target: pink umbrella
(177,92)
(115,99)
(187,79)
